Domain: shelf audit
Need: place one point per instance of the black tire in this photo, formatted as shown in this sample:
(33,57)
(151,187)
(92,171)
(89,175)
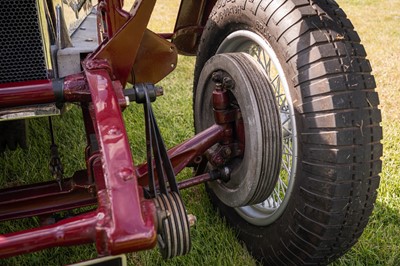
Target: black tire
(337,121)
(13,134)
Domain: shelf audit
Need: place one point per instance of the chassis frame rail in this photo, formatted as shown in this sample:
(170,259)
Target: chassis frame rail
(124,220)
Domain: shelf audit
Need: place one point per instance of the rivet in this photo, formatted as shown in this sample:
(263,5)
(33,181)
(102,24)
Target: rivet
(126,174)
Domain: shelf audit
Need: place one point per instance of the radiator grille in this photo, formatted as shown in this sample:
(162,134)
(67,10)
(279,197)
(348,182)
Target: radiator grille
(21,48)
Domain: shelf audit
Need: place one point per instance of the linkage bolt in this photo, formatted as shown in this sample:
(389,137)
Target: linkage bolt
(227,151)
(228,83)
(217,77)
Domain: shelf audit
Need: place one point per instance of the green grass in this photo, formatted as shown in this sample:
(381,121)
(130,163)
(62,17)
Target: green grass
(213,242)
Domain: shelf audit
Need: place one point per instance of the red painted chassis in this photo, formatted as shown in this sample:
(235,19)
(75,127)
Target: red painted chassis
(124,220)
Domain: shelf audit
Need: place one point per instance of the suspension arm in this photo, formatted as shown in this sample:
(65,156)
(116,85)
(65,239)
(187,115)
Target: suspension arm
(187,152)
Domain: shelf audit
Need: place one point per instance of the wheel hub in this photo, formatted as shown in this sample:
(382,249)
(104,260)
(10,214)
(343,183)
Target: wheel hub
(255,173)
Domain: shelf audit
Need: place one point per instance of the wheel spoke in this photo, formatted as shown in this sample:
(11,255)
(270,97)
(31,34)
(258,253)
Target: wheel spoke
(262,58)
(276,202)
(287,150)
(285,121)
(278,84)
(283,184)
(287,130)
(276,77)
(281,99)
(288,137)
(285,166)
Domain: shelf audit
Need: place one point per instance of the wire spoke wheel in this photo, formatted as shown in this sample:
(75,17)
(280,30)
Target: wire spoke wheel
(321,84)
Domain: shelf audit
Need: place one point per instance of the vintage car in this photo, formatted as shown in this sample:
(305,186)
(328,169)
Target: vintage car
(287,126)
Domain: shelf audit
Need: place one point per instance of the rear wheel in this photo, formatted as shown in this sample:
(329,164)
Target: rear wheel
(330,124)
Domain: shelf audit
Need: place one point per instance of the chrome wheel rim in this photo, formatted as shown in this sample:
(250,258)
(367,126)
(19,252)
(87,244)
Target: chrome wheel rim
(272,208)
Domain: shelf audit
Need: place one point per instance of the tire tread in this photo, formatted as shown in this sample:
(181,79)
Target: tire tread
(340,120)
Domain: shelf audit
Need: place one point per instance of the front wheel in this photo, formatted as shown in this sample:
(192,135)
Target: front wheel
(328,120)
